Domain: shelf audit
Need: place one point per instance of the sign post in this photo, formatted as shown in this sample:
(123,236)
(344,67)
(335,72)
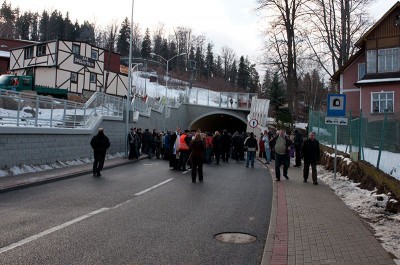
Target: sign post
(253,123)
(336,116)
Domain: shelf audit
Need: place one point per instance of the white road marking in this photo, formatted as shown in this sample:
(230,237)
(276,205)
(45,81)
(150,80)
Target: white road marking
(76,220)
(49,231)
(155,186)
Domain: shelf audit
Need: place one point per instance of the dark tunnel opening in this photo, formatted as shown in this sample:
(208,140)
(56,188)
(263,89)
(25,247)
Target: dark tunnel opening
(219,122)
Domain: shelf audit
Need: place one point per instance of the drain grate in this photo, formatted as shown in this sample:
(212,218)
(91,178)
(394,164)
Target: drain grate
(236,238)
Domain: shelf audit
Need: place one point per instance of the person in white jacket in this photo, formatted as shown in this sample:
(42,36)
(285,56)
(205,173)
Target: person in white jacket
(267,147)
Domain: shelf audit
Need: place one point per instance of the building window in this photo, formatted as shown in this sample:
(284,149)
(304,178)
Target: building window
(28,52)
(95,54)
(388,60)
(92,78)
(361,70)
(74,78)
(382,101)
(76,48)
(41,50)
(371,61)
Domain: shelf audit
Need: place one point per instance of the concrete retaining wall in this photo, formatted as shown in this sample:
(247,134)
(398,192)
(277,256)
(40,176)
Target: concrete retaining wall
(39,146)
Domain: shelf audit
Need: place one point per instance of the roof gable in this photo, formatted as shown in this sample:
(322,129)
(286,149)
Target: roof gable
(386,26)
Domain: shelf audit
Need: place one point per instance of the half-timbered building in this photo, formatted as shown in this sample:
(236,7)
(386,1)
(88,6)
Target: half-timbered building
(77,66)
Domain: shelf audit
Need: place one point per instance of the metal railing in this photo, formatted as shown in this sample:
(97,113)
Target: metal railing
(231,100)
(31,110)
(27,109)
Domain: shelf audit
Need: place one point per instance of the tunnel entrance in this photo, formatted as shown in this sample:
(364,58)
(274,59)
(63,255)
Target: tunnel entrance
(219,122)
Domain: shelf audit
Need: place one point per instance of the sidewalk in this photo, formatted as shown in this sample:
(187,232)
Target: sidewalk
(37,178)
(309,224)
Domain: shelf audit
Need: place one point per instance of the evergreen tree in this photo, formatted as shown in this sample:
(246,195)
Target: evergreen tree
(123,38)
(172,52)
(218,67)
(7,20)
(276,94)
(192,55)
(265,84)
(44,26)
(68,28)
(56,26)
(209,61)
(254,79)
(146,45)
(243,74)
(35,27)
(87,33)
(199,58)
(233,74)
(164,49)
(158,44)
(22,26)
(76,31)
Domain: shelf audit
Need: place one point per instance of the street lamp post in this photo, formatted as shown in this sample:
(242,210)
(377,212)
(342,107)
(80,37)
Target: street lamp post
(128,97)
(166,81)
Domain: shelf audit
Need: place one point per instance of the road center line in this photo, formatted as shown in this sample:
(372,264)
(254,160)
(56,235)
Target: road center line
(155,186)
(76,220)
(51,230)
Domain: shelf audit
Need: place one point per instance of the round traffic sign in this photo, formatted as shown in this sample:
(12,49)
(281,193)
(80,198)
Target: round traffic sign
(253,123)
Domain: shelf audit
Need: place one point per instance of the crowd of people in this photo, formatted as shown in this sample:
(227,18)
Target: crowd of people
(191,149)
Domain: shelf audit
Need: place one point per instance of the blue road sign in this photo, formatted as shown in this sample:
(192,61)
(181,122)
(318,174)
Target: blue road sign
(336,105)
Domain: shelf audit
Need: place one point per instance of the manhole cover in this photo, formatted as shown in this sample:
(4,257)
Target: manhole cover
(237,238)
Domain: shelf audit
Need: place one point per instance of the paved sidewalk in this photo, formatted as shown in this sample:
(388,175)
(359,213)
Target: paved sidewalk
(310,224)
(38,178)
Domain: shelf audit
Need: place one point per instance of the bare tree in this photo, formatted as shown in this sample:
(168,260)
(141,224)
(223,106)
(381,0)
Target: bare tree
(158,35)
(136,40)
(112,31)
(183,39)
(336,26)
(228,56)
(284,40)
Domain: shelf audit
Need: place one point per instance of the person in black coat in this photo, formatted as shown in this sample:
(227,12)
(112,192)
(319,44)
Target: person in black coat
(148,143)
(298,143)
(100,143)
(226,142)
(217,146)
(197,149)
(311,153)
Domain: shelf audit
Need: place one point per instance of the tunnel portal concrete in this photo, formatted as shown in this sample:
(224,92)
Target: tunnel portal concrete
(218,121)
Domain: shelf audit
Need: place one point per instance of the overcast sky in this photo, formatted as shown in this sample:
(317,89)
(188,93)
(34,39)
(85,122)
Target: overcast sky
(224,22)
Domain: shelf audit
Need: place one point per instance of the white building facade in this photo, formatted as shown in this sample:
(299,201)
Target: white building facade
(76,66)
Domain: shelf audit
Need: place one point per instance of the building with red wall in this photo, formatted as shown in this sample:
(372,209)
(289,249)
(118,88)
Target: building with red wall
(371,77)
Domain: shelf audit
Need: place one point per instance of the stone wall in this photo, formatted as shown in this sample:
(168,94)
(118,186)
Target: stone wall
(367,175)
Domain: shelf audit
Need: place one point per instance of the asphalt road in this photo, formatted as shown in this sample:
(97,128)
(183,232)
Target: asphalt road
(140,213)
